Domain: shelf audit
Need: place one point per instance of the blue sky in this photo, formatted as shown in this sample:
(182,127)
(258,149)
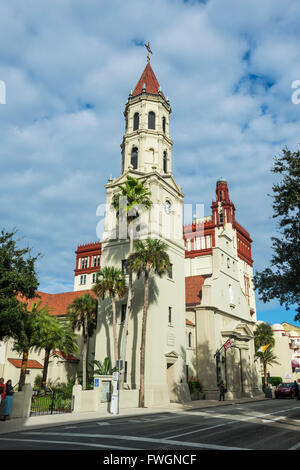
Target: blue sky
(68,65)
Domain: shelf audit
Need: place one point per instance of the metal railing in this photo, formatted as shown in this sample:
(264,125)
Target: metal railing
(52,402)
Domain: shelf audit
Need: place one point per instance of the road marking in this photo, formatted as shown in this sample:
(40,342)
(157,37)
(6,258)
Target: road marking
(200,430)
(295,447)
(136,420)
(141,439)
(238,417)
(103,424)
(274,419)
(73,443)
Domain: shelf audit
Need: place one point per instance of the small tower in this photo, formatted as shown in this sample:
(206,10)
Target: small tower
(223,208)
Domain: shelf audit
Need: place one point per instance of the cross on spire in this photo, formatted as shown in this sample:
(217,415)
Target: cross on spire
(147,46)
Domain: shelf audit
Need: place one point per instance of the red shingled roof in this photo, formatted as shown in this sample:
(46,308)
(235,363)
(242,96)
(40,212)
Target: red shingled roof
(31,364)
(148,77)
(58,303)
(193,289)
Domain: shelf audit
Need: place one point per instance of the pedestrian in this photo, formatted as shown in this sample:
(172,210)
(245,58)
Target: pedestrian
(223,390)
(2,396)
(296,388)
(8,399)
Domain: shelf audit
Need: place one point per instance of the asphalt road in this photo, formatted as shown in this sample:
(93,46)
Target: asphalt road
(267,425)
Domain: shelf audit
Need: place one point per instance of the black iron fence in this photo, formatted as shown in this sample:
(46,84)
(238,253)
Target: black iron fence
(54,402)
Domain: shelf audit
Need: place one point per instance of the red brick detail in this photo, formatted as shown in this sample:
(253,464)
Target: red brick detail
(88,251)
(196,253)
(31,364)
(193,289)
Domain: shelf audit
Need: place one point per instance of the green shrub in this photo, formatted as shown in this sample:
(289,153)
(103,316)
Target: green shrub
(274,381)
(38,382)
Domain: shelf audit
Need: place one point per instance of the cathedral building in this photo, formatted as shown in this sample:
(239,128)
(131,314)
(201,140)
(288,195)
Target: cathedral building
(207,300)
(202,315)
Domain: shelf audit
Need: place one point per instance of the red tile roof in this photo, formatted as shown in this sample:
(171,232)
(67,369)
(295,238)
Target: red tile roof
(67,357)
(148,77)
(58,303)
(188,322)
(31,364)
(193,289)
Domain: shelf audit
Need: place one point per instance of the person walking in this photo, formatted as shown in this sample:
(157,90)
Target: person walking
(296,388)
(8,400)
(223,390)
(2,396)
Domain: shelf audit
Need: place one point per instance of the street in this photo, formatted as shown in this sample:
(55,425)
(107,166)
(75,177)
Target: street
(262,425)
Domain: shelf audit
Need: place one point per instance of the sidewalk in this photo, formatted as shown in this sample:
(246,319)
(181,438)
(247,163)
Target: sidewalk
(36,422)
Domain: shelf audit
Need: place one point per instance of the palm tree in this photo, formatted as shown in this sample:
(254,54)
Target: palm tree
(267,358)
(150,257)
(28,335)
(82,314)
(55,334)
(111,283)
(264,335)
(137,197)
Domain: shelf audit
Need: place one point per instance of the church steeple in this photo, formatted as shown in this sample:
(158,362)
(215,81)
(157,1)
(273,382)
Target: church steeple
(148,83)
(146,145)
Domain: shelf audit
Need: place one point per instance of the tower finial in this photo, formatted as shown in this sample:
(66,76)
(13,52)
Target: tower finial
(147,46)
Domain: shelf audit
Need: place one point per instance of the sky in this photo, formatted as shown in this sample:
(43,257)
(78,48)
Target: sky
(68,65)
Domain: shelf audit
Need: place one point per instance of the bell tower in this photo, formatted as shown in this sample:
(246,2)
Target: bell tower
(147,156)
(146,143)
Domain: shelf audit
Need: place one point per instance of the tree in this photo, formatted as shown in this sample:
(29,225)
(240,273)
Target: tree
(264,335)
(54,334)
(82,314)
(267,358)
(281,280)
(150,257)
(111,283)
(28,335)
(137,197)
(103,368)
(17,279)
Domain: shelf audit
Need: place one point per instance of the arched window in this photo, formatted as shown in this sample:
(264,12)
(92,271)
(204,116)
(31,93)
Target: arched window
(136,121)
(190,340)
(134,157)
(151,120)
(164,124)
(165,162)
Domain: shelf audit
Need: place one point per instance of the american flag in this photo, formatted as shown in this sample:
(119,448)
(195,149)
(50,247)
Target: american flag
(227,345)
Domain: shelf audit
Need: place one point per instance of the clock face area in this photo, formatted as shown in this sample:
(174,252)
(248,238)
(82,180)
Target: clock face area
(167,207)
